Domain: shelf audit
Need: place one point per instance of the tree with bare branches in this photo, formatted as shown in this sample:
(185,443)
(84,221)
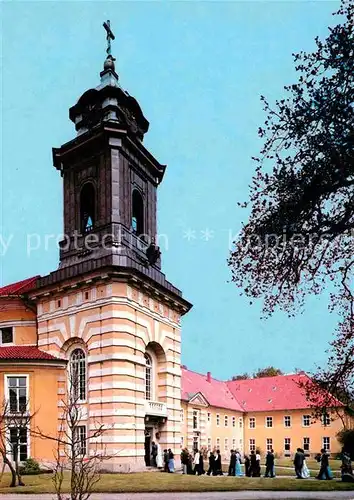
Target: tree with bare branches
(15,425)
(77,451)
(299,236)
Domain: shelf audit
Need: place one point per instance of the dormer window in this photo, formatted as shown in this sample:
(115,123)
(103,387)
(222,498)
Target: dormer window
(87,208)
(6,335)
(137,213)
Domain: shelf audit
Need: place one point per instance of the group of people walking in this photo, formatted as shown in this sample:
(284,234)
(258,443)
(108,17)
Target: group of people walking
(194,464)
(302,471)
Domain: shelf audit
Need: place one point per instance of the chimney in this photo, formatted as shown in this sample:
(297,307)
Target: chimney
(208,377)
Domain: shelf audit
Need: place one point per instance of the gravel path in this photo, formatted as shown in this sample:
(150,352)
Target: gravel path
(217,495)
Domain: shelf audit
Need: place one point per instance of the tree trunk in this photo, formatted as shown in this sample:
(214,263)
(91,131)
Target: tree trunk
(12,470)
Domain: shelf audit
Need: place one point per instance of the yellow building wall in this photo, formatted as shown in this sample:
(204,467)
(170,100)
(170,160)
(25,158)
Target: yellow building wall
(297,432)
(43,403)
(16,314)
(212,435)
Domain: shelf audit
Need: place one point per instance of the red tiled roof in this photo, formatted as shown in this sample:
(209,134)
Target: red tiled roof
(19,352)
(215,392)
(271,393)
(20,287)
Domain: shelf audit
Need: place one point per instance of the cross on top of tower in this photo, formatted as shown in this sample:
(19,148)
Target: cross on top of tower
(110,35)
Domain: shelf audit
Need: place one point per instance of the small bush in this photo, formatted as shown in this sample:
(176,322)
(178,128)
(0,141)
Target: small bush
(30,467)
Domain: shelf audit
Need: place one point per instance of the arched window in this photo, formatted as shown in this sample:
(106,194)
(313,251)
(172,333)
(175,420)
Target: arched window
(77,374)
(137,213)
(87,207)
(148,377)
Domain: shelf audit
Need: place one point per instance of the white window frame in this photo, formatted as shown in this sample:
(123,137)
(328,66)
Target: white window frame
(70,353)
(226,444)
(86,440)
(252,446)
(209,444)
(217,420)
(309,443)
(240,422)
(209,417)
(233,421)
(182,415)
(233,443)
(6,385)
(13,335)
(325,446)
(303,420)
(326,419)
(290,422)
(9,448)
(253,419)
(269,444)
(196,413)
(287,439)
(226,421)
(217,443)
(266,422)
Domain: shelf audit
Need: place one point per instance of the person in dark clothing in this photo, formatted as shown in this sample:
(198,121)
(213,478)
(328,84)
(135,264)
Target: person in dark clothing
(299,462)
(247,466)
(165,460)
(211,469)
(153,454)
(218,468)
(232,465)
(269,464)
(324,474)
(253,466)
(201,464)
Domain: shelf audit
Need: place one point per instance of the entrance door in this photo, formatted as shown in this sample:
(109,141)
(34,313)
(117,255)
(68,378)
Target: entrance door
(147,447)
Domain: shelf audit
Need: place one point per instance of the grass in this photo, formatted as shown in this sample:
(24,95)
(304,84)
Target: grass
(158,482)
(311,463)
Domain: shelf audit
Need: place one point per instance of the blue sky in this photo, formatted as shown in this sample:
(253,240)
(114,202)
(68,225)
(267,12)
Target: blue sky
(197,69)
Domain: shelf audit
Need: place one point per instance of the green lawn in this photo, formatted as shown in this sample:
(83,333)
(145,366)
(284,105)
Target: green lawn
(311,463)
(158,481)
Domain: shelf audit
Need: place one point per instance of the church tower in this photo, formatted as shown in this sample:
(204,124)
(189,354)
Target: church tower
(108,308)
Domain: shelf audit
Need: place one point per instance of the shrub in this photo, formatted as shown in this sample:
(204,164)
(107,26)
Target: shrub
(30,467)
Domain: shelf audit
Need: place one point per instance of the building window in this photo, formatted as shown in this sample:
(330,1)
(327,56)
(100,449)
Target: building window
(287,444)
(137,213)
(233,421)
(195,419)
(287,421)
(252,423)
(326,443)
(226,420)
(87,208)
(209,417)
(226,445)
(217,420)
(17,393)
(80,440)
(218,443)
(182,440)
(78,374)
(209,444)
(240,422)
(252,445)
(182,415)
(19,443)
(326,419)
(6,335)
(269,444)
(148,377)
(306,444)
(269,421)
(234,444)
(306,420)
